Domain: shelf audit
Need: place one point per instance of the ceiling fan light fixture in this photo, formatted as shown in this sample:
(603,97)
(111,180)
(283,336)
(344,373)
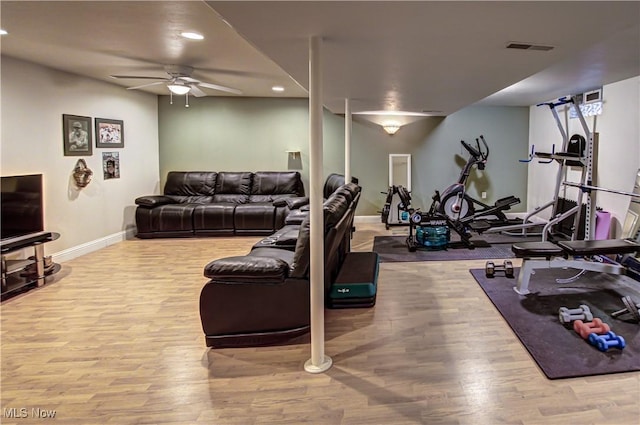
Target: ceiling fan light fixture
(277,89)
(179,89)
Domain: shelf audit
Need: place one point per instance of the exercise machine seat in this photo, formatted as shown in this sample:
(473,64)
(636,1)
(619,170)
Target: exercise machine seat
(536,249)
(599,247)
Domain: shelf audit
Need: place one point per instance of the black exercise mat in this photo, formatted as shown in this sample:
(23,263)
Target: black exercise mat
(558,350)
(394,249)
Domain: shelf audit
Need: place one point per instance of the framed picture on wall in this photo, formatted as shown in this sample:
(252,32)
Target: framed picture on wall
(111,165)
(76,135)
(109,133)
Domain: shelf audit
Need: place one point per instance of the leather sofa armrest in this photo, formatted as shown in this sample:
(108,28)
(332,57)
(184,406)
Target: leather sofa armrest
(247,269)
(292,203)
(151,201)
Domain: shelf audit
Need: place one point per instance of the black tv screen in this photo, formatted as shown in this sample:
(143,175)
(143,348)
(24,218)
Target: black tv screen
(21,205)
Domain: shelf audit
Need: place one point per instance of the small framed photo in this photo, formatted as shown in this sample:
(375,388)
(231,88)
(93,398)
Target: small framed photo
(109,133)
(76,135)
(111,165)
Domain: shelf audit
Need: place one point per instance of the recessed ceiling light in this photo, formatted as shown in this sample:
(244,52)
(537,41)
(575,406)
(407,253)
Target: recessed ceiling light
(192,35)
(3,32)
(278,89)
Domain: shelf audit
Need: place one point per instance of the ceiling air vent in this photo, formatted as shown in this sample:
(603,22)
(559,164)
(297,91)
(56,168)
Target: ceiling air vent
(529,46)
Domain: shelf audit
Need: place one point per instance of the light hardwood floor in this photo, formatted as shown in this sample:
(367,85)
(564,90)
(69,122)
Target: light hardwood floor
(116,339)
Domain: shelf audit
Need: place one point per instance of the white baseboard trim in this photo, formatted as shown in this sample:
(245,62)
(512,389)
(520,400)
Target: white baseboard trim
(367,219)
(91,246)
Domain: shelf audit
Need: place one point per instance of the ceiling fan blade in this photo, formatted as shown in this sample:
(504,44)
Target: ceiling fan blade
(136,77)
(220,88)
(195,90)
(189,80)
(146,85)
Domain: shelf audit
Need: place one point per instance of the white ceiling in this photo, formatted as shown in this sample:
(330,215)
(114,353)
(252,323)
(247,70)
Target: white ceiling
(383,55)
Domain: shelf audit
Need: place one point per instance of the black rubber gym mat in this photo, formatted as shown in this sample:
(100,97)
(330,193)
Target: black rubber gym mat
(557,349)
(394,249)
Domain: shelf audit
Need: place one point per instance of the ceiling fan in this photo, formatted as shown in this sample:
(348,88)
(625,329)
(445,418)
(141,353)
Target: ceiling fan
(179,82)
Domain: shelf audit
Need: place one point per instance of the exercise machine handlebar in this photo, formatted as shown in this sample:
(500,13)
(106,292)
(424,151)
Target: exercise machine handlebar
(477,153)
(560,102)
(589,188)
(531,155)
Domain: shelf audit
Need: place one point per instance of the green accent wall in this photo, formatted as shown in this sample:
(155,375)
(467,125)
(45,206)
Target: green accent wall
(439,160)
(252,134)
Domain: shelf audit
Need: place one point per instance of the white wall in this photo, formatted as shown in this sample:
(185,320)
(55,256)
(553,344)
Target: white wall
(34,98)
(619,149)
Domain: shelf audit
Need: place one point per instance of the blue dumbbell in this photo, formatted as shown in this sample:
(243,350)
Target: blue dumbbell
(606,341)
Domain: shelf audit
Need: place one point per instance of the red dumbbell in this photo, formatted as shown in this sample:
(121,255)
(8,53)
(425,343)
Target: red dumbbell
(597,326)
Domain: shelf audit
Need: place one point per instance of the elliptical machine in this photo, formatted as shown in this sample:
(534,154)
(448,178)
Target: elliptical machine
(459,206)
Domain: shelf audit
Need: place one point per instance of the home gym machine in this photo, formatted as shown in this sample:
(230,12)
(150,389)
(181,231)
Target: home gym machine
(588,254)
(432,230)
(459,206)
(578,152)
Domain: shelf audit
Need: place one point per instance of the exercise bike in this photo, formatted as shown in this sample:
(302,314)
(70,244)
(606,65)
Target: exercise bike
(459,206)
(432,230)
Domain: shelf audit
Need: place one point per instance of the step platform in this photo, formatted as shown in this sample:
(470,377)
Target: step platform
(357,282)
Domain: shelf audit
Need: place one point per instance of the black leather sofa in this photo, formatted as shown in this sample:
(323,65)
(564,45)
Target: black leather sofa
(207,203)
(263,297)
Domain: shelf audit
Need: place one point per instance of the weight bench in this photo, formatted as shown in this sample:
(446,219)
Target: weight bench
(568,254)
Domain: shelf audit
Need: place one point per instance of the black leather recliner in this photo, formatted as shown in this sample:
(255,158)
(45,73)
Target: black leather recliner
(263,297)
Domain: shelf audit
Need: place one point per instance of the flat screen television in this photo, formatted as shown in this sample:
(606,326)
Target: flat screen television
(21,205)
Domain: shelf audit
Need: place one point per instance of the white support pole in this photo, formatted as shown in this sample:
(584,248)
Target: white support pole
(318,362)
(347,141)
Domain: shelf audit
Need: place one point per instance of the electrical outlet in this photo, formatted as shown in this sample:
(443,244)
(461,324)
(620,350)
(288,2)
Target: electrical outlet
(483,195)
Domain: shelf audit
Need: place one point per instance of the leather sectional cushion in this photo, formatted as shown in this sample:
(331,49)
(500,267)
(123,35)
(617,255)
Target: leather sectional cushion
(152,201)
(266,267)
(173,217)
(277,183)
(233,187)
(284,238)
(190,186)
(214,217)
(255,216)
(296,217)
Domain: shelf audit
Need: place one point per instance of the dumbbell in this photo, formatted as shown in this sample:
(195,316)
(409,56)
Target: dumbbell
(631,308)
(609,340)
(585,329)
(568,315)
(490,268)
